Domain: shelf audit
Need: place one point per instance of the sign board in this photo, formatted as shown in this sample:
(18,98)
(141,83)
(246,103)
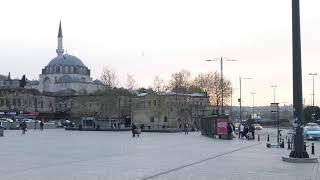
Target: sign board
(274,107)
(222,126)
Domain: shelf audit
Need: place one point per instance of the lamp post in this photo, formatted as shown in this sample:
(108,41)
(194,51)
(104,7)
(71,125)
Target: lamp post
(274,92)
(253,93)
(221,79)
(298,150)
(313,74)
(240,99)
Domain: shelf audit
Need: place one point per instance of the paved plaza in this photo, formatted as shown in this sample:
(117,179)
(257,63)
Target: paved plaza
(57,154)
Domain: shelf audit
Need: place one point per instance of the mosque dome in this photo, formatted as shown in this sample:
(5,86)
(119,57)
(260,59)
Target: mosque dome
(66,60)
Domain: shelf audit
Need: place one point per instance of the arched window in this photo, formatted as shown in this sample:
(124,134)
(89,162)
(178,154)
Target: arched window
(57,69)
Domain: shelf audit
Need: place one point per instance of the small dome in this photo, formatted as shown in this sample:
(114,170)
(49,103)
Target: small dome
(66,60)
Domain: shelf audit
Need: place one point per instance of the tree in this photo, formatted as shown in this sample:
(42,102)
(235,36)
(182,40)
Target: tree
(180,81)
(158,84)
(109,77)
(131,82)
(308,113)
(211,83)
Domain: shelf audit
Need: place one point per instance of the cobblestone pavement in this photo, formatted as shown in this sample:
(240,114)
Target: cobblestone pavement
(78,155)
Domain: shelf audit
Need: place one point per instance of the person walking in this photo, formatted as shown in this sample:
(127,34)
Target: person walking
(133,129)
(186,126)
(41,126)
(252,129)
(241,129)
(230,130)
(24,127)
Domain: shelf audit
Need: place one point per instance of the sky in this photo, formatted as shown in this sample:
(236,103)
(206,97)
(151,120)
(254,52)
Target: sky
(146,38)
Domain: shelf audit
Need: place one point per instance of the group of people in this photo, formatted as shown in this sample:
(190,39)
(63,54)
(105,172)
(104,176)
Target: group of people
(23,126)
(245,130)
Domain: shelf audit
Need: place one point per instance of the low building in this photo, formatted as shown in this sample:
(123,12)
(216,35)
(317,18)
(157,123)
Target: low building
(169,110)
(20,101)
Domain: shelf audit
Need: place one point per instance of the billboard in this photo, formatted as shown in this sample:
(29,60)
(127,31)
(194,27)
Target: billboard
(222,126)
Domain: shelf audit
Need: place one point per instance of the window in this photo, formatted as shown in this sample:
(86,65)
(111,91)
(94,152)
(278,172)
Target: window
(155,102)
(165,119)
(152,119)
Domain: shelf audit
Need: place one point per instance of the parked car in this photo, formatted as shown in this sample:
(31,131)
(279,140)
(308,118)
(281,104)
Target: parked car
(257,126)
(312,124)
(311,132)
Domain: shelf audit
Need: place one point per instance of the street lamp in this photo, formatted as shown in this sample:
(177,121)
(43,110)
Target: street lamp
(221,79)
(313,74)
(274,92)
(240,99)
(253,93)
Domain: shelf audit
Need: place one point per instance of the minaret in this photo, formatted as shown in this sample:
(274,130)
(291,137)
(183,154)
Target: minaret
(60,49)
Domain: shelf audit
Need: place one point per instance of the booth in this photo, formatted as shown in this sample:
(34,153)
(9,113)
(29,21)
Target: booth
(216,127)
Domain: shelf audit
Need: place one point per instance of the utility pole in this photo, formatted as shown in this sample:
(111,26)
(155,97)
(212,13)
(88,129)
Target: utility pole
(313,74)
(274,92)
(253,93)
(221,78)
(240,99)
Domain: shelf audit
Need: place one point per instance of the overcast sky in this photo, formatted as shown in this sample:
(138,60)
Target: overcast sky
(158,37)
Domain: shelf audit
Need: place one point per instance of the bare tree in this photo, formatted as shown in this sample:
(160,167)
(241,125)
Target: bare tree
(180,81)
(109,77)
(211,83)
(158,84)
(131,82)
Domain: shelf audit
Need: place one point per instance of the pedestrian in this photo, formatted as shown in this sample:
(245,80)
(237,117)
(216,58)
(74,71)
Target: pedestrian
(245,132)
(229,128)
(252,129)
(241,129)
(24,127)
(41,126)
(186,126)
(133,129)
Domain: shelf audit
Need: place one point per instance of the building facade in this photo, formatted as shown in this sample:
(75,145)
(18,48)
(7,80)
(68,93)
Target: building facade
(169,110)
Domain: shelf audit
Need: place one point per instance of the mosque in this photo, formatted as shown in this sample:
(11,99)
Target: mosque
(66,72)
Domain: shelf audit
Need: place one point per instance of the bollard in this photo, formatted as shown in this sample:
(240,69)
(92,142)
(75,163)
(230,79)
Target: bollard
(268,139)
(312,148)
(305,146)
(258,137)
(1,131)
(289,144)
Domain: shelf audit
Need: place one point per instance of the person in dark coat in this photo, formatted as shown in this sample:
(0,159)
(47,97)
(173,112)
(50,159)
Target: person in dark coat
(230,130)
(41,126)
(24,127)
(186,128)
(252,130)
(133,129)
(245,131)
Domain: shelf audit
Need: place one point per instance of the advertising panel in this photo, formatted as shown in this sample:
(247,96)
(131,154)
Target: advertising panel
(222,126)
